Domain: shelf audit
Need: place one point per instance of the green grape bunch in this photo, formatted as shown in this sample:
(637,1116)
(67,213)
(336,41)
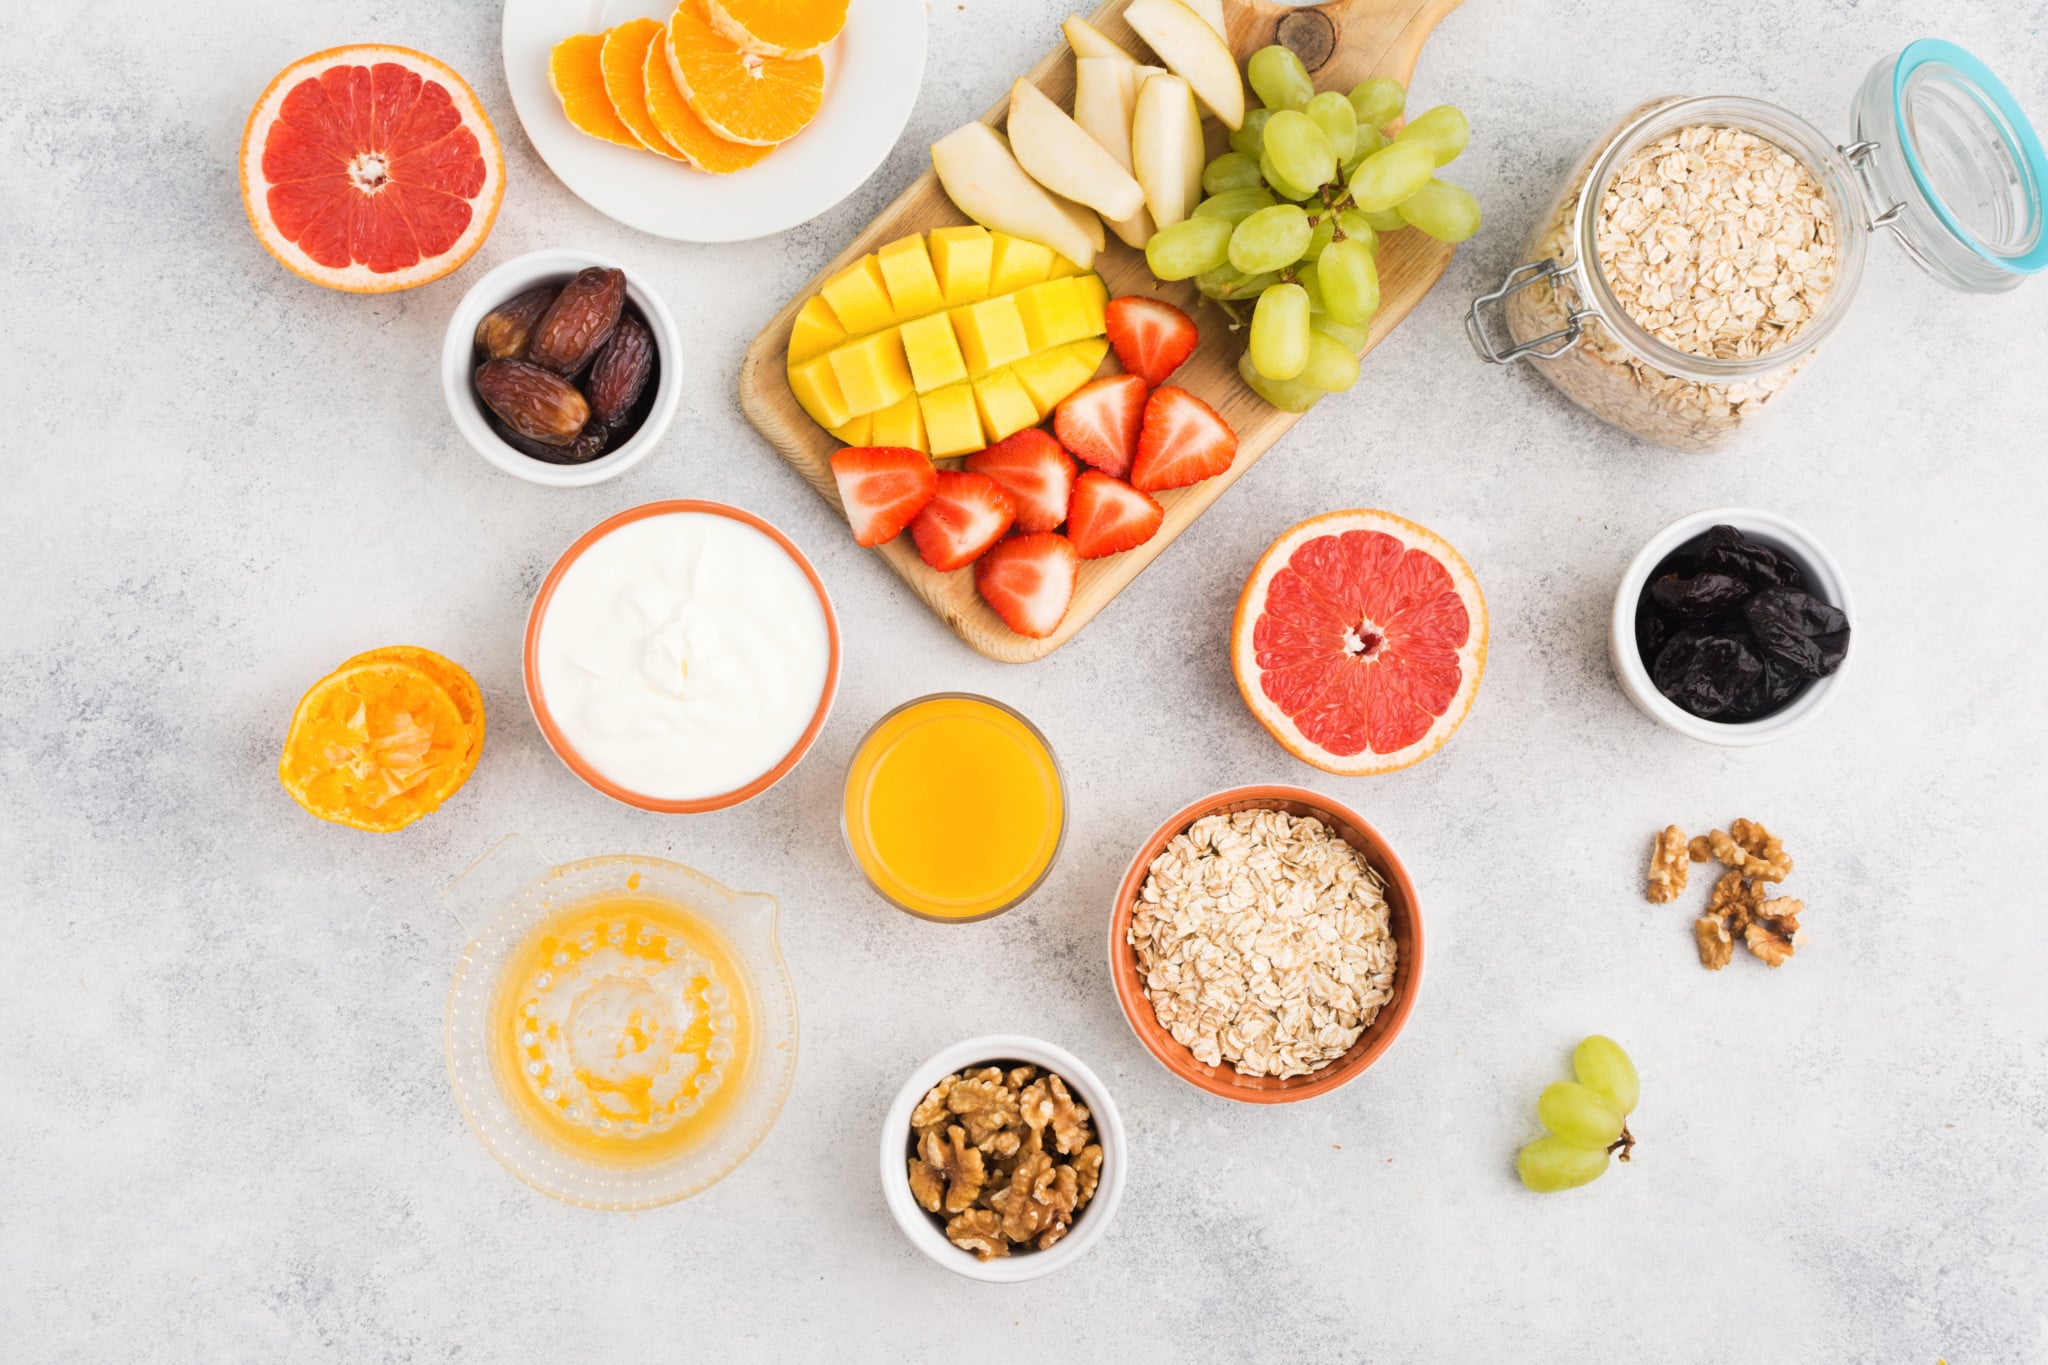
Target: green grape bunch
(1587,1119)
(1295,214)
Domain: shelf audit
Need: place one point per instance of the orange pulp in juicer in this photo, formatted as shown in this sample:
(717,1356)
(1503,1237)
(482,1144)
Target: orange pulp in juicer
(620,1029)
(954,807)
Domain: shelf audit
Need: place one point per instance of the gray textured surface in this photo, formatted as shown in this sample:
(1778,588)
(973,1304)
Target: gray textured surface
(228,1134)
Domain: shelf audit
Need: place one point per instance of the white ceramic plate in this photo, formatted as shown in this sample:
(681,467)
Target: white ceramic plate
(872,74)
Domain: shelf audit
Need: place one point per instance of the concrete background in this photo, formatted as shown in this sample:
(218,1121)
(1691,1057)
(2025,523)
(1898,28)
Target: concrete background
(228,1134)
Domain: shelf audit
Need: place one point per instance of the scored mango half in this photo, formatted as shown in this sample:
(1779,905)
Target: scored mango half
(946,344)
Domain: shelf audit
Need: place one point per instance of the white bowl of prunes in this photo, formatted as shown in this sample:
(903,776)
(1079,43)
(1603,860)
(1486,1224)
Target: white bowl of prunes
(1731,626)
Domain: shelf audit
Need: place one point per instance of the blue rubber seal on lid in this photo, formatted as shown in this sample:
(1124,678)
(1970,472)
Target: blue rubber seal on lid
(1933,51)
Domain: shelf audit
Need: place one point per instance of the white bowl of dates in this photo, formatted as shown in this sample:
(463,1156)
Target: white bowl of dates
(1003,1158)
(559,368)
(1731,626)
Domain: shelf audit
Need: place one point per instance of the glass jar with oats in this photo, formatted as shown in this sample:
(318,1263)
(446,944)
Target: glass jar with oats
(1704,247)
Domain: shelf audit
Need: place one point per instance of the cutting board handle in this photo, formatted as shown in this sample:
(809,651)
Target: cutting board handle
(1354,38)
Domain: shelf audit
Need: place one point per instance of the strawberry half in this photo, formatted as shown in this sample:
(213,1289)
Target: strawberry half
(1036,473)
(1183,442)
(967,514)
(1110,516)
(1150,336)
(882,488)
(1029,582)
(1099,421)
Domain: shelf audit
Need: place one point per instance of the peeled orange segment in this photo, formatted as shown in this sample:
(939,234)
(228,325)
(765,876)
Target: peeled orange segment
(778,28)
(624,60)
(374,747)
(576,71)
(370,169)
(704,149)
(1359,641)
(741,96)
(454,680)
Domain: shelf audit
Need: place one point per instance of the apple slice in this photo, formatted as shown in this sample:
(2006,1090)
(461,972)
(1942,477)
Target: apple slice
(984,181)
(1166,145)
(1212,15)
(1058,154)
(1090,41)
(1105,90)
(1186,43)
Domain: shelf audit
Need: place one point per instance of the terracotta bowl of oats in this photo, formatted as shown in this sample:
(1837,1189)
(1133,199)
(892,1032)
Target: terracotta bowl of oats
(1266,944)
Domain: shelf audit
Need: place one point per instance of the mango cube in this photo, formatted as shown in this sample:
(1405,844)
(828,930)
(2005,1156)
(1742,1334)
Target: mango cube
(991,333)
(1017,263)
(1050,375)
(815,331)
(907,269)
(934,352)
(901,424)
(1054,313)
(1006,408)
(817,389)
(872,372)
(855,433)
(961,257)
(1062,268)
(952,426)
(1096,295)
(860,297)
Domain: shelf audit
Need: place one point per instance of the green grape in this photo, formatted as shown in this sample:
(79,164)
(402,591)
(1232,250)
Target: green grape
(1235,205)
(1358,228)
(1282,186)
(1332,366)
(1443,210)
(1270,239)
(1550,1164)
(1351,282)
(1231,171)
(1305,276)
(1325,233)
(1385,220)
(1390,175)
(1378,102)
(1579,1114)
(1364,145)
(1189,247)
(1331,112)
(1601,1065)
(1443,130)
(1288,395)
(1250,136)
(1299,151)
(1225,282)
(1353,335)
(1279,79)
(1280,334)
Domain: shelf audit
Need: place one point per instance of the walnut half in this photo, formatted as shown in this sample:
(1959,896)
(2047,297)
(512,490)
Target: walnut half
(1668,866)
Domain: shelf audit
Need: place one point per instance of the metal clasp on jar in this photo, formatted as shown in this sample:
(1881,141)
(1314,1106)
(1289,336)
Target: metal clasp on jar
(1550,345)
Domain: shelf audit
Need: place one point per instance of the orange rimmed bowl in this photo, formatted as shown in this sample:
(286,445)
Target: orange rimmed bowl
(536,699)
(1404,921)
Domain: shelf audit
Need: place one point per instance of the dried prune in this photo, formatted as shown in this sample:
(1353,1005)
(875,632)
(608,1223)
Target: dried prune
(539,405)
(1727,550)
(579,320)
(1799,628)
(1699,596)
(1652,628)
(619,373)
(1705,674)
(507,330)
(588,445)
(1779,683)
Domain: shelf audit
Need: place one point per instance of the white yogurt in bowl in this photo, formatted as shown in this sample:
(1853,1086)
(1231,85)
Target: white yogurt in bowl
(681,656)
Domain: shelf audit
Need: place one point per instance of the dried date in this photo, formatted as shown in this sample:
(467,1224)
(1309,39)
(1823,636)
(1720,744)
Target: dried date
(507,330)
(619,374)
(539,405)
(591,442)
(579,321)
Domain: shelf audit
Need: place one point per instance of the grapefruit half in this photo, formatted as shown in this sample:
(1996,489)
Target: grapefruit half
(1359,640)
(370,169)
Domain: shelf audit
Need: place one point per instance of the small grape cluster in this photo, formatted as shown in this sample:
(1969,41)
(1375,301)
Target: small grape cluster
(1294,215)
(1587,1119)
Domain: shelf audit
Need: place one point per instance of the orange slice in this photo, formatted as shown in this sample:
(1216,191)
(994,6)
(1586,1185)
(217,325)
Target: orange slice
(779,28)
(374,747)
(741,96)
(454,680)
(370,168)
(705,150)
(625,81)
(576,70)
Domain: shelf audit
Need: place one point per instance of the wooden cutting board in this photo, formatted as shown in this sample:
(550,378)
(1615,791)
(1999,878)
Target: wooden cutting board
(1342,43)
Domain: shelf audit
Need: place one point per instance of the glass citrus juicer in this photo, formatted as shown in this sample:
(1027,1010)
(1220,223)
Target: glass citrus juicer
(621,1031)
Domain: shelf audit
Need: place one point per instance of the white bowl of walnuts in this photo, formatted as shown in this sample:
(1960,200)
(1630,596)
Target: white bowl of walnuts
(1003,1158)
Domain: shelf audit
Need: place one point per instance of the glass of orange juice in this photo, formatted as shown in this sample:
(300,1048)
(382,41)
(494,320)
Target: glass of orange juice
(954,808)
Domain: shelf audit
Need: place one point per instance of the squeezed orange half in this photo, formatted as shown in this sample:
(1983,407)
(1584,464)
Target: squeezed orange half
(954,807)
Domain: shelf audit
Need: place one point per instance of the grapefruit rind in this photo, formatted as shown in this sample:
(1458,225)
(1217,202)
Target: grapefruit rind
(357,277)
(1245,668)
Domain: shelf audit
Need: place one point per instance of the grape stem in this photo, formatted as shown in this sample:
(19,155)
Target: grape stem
(1626,1143)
